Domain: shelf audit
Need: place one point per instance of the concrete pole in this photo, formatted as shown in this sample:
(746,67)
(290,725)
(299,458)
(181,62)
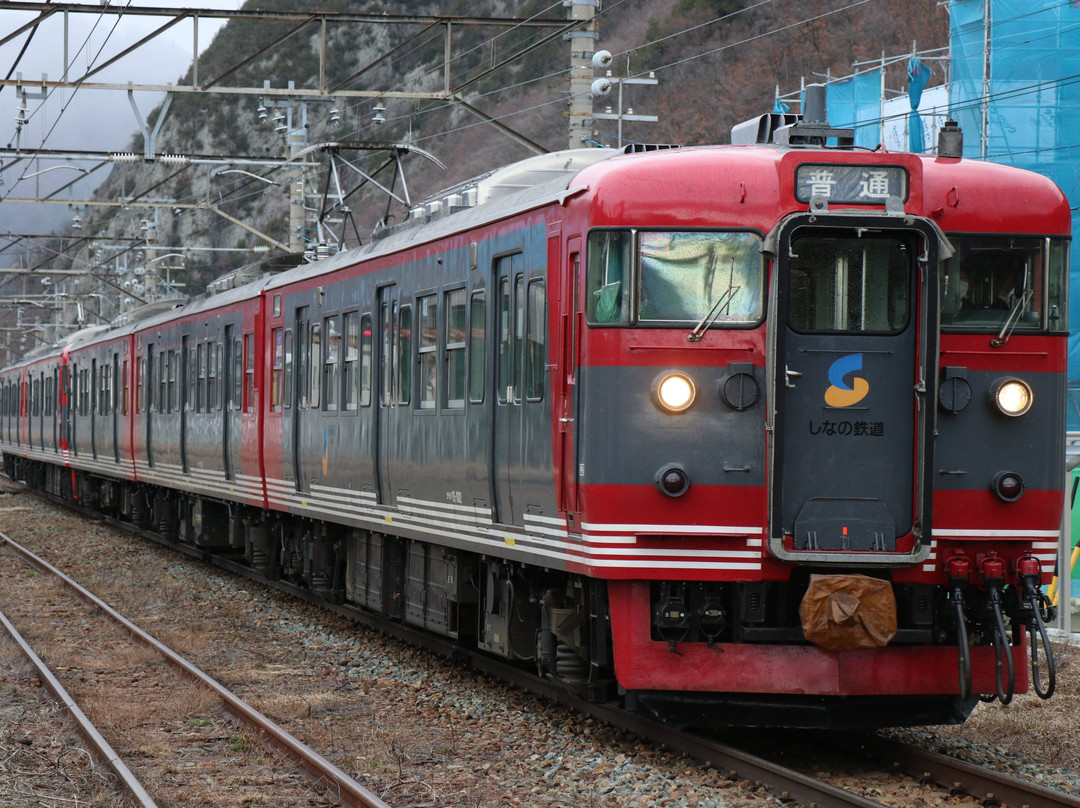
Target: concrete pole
(582,45)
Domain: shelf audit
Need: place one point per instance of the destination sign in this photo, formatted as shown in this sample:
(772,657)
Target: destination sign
(863,185)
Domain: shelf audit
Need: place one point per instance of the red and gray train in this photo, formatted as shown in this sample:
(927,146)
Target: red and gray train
(768,433)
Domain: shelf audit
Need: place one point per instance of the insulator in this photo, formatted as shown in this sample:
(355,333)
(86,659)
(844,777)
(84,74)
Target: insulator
(124,157)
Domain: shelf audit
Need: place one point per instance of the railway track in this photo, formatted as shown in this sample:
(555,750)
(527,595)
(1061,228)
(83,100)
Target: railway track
(788,784)
(327,777)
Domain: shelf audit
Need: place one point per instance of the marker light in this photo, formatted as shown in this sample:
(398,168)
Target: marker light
(672,480)
(1008,486)
(675,392)
(1012,396)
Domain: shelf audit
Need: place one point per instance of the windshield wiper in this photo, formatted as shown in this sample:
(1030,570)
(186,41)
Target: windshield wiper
(1012,320)
(706,321)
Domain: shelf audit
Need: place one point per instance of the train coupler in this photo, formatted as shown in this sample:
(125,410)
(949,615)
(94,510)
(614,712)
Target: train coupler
(671,618)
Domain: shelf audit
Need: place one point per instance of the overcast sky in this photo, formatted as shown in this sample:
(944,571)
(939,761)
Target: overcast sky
(87,119)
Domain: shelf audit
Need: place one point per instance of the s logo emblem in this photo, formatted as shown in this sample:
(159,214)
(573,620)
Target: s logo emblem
(840,393)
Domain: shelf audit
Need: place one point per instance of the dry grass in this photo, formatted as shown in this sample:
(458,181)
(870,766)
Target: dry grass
(1035,730)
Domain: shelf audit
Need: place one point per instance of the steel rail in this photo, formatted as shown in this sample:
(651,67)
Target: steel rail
(986,785)
(785,783)
(318,768)
(100,748)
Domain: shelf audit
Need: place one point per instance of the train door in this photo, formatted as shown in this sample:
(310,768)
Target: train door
(854,322)
(187,367)
(389,390)
(307,370)
(151,397)
(116,404)
(230,413)
(91,395)
(566,380)
(508,462)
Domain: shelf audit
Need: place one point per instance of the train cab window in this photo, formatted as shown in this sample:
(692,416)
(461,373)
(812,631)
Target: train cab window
(996,281)
(688,278)
(366,363)
(277,370)
(608,276)
(477,324)
(674,278)
(843,283)
(536,328)
(331,364)
(350,323)
(455,348)
(427,339)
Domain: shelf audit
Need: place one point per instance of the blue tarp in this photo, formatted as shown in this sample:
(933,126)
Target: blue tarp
(855,103)
(918,74)
(1031,114)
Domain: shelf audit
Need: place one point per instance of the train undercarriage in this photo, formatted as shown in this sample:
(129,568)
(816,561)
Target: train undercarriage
(561,623)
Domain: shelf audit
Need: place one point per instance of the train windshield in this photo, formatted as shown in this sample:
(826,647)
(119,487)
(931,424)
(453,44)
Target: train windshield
(992,281)
(847,282)
(674,278)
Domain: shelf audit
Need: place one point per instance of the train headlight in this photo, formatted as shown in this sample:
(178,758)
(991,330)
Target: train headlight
(675,392)
(1012,396)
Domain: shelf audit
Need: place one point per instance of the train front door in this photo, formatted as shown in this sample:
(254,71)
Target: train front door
(853,363)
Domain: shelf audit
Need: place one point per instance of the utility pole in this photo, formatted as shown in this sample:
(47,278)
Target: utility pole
(582,45)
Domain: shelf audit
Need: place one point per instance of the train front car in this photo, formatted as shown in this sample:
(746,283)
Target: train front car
(815,441)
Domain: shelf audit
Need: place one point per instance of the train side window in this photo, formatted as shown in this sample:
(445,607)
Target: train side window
(608,277)
(314,367)
(455,348)
(535,342)
(505,380)
(174,381)
(366,364)
(163,382)
(277,371)
(213,360)
(287,387)
(249,373)
(404,340)
(427,338)
(125,388)
(85,392)
(387,324)
(202,375)
(351,330)
(103,390)
(477,327)
(331,364)
(139,384)
(238,375)
(519,333)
